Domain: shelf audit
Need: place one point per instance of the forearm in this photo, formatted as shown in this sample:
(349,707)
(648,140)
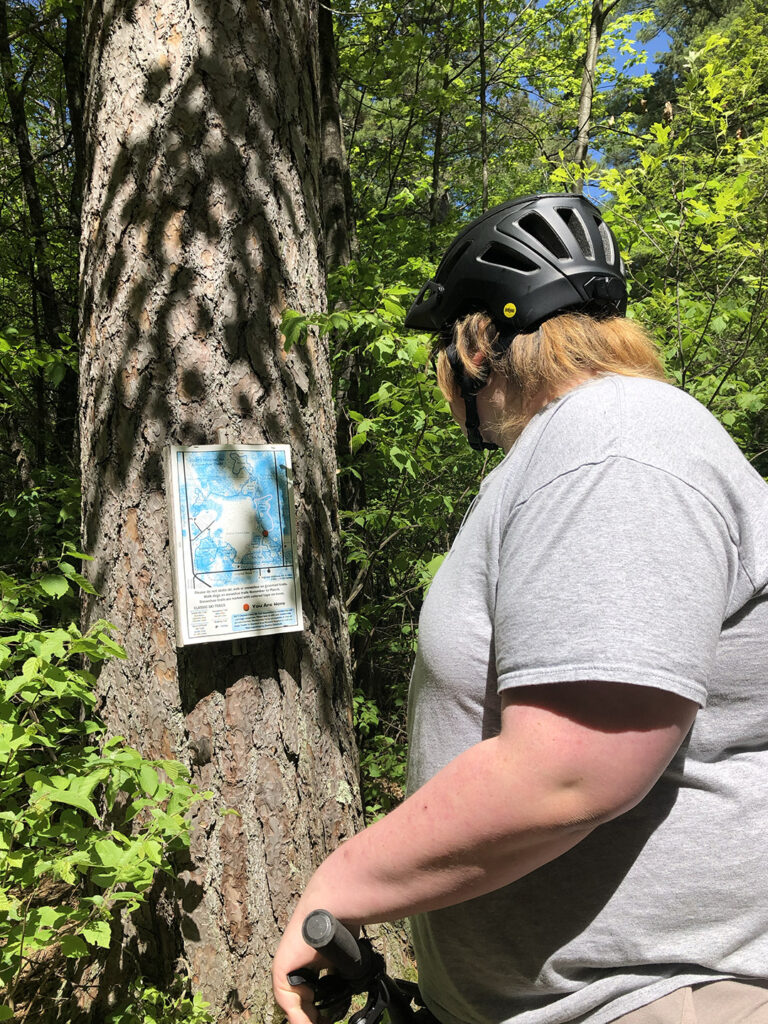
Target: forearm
(461,835)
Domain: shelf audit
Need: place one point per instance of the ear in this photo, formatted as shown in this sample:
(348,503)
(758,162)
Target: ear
(478,358)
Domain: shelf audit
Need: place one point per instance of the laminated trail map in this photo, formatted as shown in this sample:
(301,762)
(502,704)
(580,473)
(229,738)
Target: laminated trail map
(233,541)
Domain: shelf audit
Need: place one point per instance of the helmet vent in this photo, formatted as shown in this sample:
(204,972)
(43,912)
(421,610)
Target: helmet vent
(544,234)
(450,260)
(578,229)
(501,256)
(605,234)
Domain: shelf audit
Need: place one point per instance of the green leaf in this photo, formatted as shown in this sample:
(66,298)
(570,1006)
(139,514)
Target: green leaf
(54,586)
(293,326)
(73,946)
(97,934)
(110,648)
(71,799)
(149,779)
(72,574)
(109,853)
(56,373)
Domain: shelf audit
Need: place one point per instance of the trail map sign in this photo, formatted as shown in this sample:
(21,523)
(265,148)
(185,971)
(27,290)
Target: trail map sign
(233,541)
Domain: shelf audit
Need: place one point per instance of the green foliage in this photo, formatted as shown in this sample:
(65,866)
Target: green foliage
(382,746)
(692,213)
(53,596)
(85,823)
(39,504)
(38,36)
(149,1005)
(39,499)
(411,84)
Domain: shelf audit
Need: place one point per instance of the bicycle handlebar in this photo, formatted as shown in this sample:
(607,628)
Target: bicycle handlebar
(353,960)
(359,968)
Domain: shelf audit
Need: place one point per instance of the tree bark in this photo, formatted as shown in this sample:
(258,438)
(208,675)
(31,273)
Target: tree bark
(201,223)
(596,24)
(588,82)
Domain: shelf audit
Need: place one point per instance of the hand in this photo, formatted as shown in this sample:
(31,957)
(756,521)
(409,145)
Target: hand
(292,954)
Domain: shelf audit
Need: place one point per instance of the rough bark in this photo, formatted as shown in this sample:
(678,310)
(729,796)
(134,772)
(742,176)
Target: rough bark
(201,222)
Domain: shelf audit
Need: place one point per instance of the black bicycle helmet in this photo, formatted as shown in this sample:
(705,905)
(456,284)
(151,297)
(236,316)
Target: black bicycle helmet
(521,263)
(524,261)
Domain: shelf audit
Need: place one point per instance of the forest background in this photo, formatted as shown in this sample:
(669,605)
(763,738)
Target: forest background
(448,107)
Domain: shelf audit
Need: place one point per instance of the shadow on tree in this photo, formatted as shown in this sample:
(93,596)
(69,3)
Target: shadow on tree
(202,221)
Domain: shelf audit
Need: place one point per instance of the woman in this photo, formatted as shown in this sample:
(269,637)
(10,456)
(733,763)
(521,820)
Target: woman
(588,776)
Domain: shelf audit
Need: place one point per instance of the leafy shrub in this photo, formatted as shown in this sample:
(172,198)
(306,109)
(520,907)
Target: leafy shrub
(148,1005)
(85,822)
(691,213)
(382,746)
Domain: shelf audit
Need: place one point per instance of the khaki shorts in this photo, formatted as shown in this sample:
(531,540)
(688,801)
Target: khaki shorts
(718,1002)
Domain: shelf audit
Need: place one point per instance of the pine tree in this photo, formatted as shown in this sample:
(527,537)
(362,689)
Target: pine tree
(202,220)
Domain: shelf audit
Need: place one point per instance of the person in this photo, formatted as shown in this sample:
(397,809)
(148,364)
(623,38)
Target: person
(584,835)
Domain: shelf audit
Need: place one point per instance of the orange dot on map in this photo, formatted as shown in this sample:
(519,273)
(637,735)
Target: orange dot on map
(246,607)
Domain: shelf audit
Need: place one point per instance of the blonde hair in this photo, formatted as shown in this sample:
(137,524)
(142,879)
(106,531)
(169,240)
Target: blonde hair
(566,348)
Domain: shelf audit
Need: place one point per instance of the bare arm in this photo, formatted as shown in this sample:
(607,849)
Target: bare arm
(569,757)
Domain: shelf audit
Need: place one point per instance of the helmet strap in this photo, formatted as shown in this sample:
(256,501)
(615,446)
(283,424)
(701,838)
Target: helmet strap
(469,387)
(474,436)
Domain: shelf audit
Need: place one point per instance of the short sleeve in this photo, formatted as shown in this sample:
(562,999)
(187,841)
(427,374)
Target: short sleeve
(615,571)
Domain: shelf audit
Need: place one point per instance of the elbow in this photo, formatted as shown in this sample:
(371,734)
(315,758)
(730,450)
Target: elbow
(583,803)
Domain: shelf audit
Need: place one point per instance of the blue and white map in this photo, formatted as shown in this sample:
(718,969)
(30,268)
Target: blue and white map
(232,510)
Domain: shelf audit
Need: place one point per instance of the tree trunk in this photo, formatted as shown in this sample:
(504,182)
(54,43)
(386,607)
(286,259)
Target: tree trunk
(336,183)
(73,81)
(483,105)
(588,82)
(596,24)
(201,223)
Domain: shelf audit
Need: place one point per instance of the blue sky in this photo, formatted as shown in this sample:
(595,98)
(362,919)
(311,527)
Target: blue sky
(658,45)
(654,47)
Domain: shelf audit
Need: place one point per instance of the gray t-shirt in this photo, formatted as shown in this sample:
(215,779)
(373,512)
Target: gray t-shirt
(623,538)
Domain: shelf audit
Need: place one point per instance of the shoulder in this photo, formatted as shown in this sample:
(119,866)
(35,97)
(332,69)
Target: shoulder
(643,420)
(657,441)
(583,427)
(620,414)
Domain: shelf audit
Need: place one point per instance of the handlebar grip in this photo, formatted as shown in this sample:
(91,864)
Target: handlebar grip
(323,932)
